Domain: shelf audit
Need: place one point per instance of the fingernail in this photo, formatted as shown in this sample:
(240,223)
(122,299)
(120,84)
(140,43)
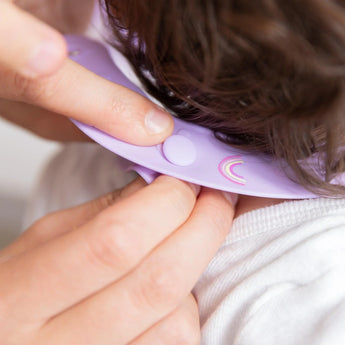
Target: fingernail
(195,188)
(43,59)
(231,197)
(157,121)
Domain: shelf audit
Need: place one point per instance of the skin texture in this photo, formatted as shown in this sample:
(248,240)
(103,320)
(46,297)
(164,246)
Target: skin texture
(250,203)
(34,70)
(129,284)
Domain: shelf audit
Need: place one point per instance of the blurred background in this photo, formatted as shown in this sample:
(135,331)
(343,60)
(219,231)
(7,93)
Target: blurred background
(22,157)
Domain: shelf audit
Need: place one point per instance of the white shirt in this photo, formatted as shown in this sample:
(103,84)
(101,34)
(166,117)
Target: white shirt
(279,278)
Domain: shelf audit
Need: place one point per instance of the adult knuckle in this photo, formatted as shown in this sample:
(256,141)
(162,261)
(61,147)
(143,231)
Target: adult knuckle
(22,85)
(113,247)
(178,194)
(107,200)
(41,227)
(33,90)
(128,110)
(127,103)
(184,331)
(117,104)
(162,287)
(112,106)
(27,88)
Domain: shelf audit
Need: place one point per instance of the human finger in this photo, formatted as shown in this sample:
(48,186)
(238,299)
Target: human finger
(97,253)
(60,222)
(156,287)
(180,327)
(41,122)
(28,47)
(82,95)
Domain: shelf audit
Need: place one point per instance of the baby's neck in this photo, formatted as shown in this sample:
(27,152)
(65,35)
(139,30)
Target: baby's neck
(250,203)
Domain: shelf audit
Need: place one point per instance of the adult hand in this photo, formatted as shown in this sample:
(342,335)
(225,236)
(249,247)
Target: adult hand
(116,270)
(34,70)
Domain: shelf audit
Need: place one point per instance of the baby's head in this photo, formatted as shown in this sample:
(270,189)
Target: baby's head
(265,75)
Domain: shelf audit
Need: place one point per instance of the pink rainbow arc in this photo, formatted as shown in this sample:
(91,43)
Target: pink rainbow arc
(226,168)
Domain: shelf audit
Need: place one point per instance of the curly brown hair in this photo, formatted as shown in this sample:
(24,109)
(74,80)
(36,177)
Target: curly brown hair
(264,75)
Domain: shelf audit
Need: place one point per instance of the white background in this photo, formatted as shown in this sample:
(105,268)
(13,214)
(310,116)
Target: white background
(22,156)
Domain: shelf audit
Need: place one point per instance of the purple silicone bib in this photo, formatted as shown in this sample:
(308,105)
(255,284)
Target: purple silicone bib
(191,153)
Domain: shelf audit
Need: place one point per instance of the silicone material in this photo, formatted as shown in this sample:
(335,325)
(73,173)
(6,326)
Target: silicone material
(192,153)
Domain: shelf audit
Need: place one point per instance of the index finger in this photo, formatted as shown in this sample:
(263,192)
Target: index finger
(28,47)
(82,95)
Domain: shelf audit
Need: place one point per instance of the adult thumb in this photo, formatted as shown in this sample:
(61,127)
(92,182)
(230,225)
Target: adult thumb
(28,46)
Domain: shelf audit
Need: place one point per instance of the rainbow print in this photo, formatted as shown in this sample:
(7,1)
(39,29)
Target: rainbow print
(226,168)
